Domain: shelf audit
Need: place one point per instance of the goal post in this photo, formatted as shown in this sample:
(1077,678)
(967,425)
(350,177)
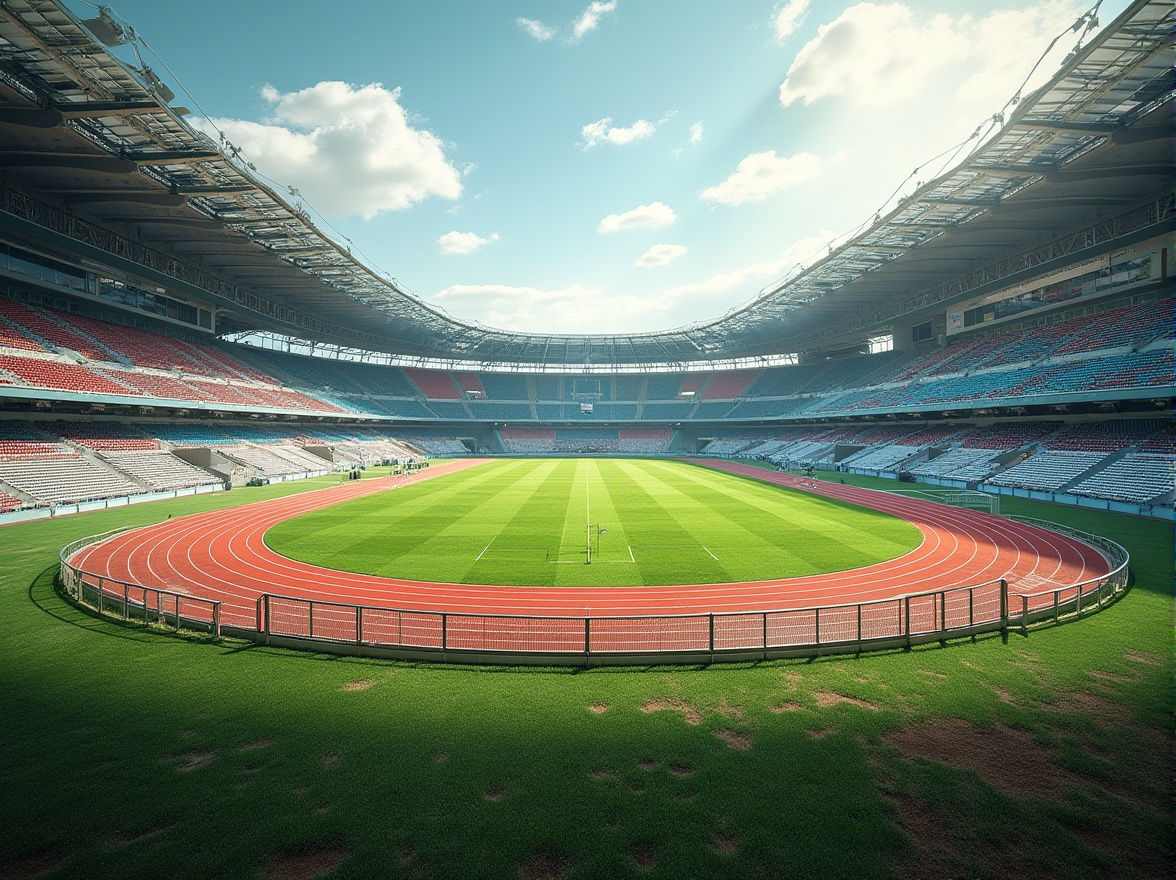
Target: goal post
(973,500)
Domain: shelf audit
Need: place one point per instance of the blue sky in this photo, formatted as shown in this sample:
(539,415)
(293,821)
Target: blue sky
(595,167)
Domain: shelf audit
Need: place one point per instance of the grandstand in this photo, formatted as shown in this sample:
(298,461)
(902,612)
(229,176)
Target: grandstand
(1027,344)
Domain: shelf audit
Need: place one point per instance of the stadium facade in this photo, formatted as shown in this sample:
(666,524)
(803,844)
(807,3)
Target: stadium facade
(168,321)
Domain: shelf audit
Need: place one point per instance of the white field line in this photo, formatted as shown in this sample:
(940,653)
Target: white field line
(711,555)
(631,559)
(484,549)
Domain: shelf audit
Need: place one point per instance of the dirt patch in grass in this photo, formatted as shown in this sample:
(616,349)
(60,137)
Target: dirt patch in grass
(689,713)
(734,739)
(361,685)
(1110,676)
(644,856)
(197,759)
(1004,696)
(681,769)
(304,864)
(34,864)
(330,759)
(724,843)
(119,840)
(819,732)
(598,708)
(932,673)
(828,698)
(1007,759)
(787,706)
(263,743)
(646,764)
(494,794)
(544,864)
(601,774)
(441,757)
(728,711)
(1141,657)
(935,858)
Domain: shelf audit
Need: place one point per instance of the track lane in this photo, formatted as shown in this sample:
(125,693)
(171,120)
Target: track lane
(222,556)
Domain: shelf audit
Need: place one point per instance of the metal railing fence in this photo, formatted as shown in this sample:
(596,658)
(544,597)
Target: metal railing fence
(132,601)
(899,622)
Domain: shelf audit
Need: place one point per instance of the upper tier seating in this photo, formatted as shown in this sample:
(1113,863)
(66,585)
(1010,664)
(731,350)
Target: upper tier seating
(435,385)
(44,373)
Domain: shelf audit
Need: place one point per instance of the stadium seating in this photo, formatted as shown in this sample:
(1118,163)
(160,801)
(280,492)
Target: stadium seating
(1136,478)
(65,480)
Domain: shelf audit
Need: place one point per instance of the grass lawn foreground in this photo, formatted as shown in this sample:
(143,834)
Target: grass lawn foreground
(131,752)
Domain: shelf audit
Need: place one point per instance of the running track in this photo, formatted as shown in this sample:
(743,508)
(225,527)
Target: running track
(222,556)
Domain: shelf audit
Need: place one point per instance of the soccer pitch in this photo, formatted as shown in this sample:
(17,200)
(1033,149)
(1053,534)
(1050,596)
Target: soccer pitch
(592,522)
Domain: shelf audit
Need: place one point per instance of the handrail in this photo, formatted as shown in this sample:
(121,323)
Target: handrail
(898,621)
(98,595)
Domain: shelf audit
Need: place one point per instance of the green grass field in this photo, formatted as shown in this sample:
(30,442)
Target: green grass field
(640,522)
(130,752)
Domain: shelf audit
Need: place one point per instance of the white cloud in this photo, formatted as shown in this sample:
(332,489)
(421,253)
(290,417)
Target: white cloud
(589,19)
(463,242)
(659,255)
(535,29)
(348,149)
(696,131)
(572,309)
(648,216)
(579,308)
(786,18)
(732,288)
(761,175)
(883,54)
(603,131)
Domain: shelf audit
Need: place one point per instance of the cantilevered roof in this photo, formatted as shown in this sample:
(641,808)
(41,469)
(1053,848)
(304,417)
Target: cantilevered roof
(84,134)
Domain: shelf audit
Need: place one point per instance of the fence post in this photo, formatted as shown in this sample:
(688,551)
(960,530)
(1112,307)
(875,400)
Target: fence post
(215,618)
(177,612)
(971,605)
(817,626)
(1004,605)
(444,631)
(1024,615)
(359,624)
(711,634)
(100,592)
(907,611)
(587,636)
(126,602)
(310,619)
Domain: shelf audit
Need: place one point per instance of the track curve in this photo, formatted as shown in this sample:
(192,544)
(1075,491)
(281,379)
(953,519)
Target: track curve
(222,556)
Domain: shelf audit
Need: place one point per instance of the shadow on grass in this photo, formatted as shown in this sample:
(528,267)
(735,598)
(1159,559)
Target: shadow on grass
(47,593)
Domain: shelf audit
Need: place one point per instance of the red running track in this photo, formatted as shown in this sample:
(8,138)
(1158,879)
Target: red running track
(221,556)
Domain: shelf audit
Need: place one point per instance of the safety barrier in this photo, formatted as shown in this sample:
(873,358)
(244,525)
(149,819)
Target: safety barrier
(899,622)
(132,601)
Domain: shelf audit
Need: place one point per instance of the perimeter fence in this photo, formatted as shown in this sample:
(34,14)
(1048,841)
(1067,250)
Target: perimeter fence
(132,601)
(899,622)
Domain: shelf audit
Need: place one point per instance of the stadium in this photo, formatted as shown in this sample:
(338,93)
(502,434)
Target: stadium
(832,535)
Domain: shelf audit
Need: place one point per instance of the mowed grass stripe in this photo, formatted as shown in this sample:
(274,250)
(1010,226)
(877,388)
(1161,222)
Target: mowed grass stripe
(526,522)
(813,529)
(391,530)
